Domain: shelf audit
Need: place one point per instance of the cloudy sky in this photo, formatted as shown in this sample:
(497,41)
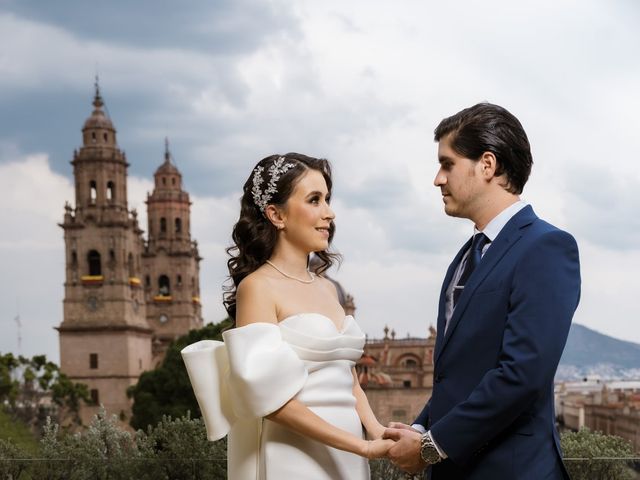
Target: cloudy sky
(362,83)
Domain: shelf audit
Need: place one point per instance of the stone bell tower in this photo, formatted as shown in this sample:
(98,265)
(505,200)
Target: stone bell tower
(105,340)
(171,262)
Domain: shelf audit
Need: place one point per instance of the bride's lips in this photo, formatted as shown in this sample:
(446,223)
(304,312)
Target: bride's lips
(324,231)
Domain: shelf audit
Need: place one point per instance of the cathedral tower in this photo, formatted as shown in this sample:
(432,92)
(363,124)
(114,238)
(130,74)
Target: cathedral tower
(171,261)
(105,340)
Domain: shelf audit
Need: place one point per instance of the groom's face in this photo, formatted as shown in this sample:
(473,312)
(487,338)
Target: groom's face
(458,180)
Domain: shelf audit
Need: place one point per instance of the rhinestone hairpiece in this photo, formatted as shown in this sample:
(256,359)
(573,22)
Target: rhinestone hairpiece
(276,170)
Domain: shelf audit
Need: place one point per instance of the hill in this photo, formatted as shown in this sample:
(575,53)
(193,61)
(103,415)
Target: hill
(589,353)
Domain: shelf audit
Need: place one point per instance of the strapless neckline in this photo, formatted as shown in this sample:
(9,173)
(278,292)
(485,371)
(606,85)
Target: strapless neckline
(340,330)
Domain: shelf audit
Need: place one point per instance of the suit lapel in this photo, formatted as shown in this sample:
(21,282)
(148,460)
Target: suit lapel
(443,298)
(507,237)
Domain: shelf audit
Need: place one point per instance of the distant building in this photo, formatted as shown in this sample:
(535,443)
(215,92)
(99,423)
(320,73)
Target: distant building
(170,261)
(610,407)
(397,375)
(126,297)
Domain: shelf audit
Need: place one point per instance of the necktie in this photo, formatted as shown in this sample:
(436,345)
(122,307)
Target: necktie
(473,259)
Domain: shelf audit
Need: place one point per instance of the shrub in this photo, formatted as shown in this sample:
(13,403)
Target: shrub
(181,450)
(595,456)
(10,464)
(383,469)
(172,450)
(102,452)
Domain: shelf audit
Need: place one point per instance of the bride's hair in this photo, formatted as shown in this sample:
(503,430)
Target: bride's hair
(254,236)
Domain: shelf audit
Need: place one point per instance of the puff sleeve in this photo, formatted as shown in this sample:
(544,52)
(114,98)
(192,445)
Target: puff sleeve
(252,374)
(264,371)
(207,365)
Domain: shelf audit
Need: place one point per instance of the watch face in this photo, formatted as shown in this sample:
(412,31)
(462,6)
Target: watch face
(430,455)
(428,451)
(92,304)
(163,318)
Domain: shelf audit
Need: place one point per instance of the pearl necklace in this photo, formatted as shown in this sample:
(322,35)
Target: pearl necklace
(311,275)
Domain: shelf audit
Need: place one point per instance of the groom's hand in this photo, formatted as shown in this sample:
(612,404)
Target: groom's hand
(405,453)
(402,426)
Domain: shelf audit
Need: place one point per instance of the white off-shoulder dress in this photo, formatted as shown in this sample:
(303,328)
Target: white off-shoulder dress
(258,369)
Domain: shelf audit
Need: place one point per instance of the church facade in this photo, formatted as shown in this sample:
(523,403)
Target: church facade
(126,297)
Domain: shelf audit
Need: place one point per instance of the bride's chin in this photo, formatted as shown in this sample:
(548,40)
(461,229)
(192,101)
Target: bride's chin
(318,247)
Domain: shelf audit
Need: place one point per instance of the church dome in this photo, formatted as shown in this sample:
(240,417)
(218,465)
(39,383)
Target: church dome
(98,130)
(167,168)
(98,118)
(167,176)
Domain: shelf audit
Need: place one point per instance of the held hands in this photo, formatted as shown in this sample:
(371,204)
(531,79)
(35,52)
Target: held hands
(378,448)
(405,452)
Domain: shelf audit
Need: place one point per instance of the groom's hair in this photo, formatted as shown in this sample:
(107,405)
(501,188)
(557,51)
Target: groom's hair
(490,128)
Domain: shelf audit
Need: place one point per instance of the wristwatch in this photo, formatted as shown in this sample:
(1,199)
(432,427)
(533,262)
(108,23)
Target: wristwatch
(428,451)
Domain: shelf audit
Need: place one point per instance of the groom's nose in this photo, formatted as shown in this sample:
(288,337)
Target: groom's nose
(440,179)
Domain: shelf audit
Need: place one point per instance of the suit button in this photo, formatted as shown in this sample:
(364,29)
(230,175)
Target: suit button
(438,378)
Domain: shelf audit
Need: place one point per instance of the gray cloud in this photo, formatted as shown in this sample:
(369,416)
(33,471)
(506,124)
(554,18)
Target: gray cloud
(604,206)
(215,27)
(208,107)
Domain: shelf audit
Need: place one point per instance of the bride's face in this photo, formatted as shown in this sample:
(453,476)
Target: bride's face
(307,214)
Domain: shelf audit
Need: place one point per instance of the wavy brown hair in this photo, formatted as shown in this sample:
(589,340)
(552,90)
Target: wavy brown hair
(491,128)
(254,236)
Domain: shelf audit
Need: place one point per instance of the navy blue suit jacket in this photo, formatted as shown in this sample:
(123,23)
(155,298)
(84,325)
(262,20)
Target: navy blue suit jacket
(492,409)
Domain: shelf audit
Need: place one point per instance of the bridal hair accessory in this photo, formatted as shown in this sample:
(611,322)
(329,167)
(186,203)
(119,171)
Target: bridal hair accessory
(277,169)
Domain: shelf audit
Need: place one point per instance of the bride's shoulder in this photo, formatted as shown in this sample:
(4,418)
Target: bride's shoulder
(255,300)
(253,284)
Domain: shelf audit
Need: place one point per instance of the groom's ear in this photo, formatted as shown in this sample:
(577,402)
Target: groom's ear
(488,165)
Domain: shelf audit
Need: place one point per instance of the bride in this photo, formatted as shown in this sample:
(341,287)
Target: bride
(287,388)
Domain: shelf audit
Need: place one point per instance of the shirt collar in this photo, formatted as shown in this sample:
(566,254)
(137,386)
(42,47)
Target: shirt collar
(494,227)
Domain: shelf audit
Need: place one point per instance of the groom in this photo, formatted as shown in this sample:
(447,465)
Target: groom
(505,309)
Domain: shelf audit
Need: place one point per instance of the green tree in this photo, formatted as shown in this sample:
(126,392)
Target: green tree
(166,391)
(8,385)
(68,396)
(26,385)
(596,456)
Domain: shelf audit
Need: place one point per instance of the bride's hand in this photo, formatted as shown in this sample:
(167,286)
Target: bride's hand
(378,448)
(376,433)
